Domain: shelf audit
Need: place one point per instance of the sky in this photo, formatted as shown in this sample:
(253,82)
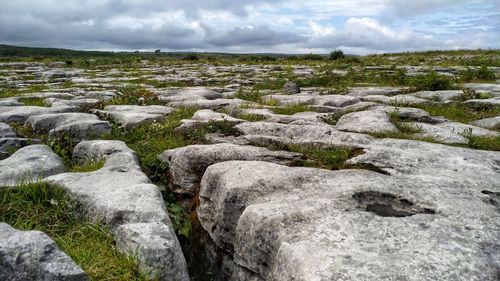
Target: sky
(248,26)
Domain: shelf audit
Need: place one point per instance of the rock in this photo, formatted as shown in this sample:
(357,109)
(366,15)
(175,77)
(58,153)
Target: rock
(488,123)
(132,116)
(19,114)
(32,255)
(187,164)
(438,133)
(209,104)
(101,95)
(284,223)
(275,134)
(81,104)
(10,102)
(451,132)
(410,114)
(290,88)
(433,162)
(482,103)
(370,121)
(439,95)
(157,249)
(369,91)
(204,116)
(78,126)
(30,163)
(491,88)
(406,100)
(6,131)
(9,145)
(122,197)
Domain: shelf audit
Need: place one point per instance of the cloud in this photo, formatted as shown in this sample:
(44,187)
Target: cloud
(254,36)
(298,26)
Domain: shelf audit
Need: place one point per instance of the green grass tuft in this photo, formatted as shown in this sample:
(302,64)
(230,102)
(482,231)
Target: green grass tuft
(292,109)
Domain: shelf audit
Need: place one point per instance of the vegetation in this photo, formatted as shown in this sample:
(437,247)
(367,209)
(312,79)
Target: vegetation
(40,206)
(336,55)
(292,109)
(88,167)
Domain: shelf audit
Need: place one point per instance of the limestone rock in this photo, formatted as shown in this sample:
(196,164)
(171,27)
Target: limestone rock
(284,223)
(290,88)
(488,123)
(9,145)
(6,131)
(369,91)
(131,116)
(78,126)
(32,255)
(187,164)
(370,121)
(20,114)
(122,197)
(30,163)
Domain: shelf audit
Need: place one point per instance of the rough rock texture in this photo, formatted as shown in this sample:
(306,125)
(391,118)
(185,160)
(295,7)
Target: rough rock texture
(20,114)
(187,164)
(9,145)
(369,91)
(269,134)
(32,255)
(205,116)
(439,95)
(434,162)
(283,223)
(290,88)
(484,102)
(78,126)
(131,116)
(121,196)
(30,163)
(370,121)
(488,123)
(6,131)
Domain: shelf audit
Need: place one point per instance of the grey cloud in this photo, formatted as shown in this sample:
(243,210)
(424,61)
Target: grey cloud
(253,36)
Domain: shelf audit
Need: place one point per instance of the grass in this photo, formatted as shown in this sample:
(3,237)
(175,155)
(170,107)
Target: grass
(40,206)
(251,117)
(88,167)
(32,101)
(292,109)
(253,95)
(131,94)
(459,112)
(482,142)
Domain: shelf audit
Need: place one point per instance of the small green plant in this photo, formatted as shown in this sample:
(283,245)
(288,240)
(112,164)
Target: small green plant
(336,55)
(88,167)
(132,94)
(430,82)
(477,75)
(251,117)
(252,95)
(32,101)
(482,142)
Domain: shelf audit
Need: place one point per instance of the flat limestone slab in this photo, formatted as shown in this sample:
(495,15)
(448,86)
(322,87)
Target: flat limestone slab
(292,223)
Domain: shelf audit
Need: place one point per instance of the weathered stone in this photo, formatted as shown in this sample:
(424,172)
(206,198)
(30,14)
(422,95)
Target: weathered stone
(30,163)
(9,145)
(488,123)
(370,91)
(32,255)
(439,95)
(290,88)
(122,197)
(78,126)
(433,162)
(283,223)
(6,131)
(482,103)
(270,134)
(20,114)
(131,116)
(370,121)
(187,164)
(205,116)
